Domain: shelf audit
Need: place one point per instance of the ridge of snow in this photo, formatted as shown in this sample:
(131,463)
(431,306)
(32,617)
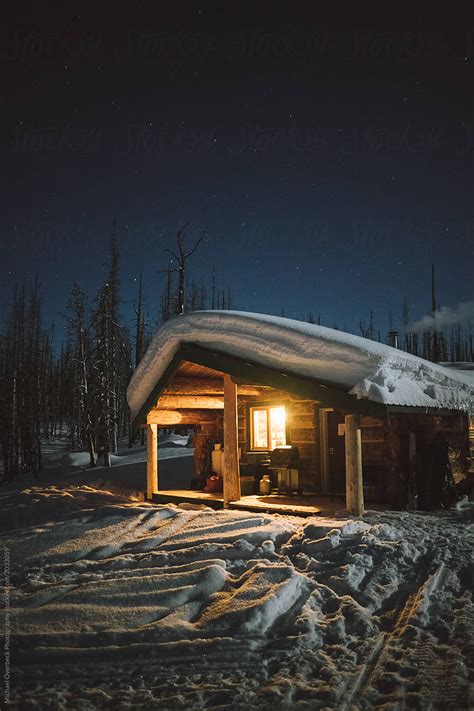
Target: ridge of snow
(120,604)
(360,366)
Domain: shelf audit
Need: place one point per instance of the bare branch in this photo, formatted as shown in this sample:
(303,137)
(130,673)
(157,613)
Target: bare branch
(173,254)
(198,242)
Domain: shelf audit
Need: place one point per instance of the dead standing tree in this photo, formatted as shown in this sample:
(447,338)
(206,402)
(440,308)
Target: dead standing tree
(80,338)
(108,356)
(181,256)
(368,331)
(22,378)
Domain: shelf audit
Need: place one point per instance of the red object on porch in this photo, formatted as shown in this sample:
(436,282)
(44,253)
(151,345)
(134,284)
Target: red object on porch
(213,485)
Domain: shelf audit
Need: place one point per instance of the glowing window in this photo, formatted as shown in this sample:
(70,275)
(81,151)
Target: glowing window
(267,427)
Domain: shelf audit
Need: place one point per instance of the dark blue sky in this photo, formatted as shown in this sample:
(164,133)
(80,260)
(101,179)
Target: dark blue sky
(329,156)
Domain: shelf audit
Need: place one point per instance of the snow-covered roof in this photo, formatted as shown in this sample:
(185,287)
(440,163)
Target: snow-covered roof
(464,370)
(351,363)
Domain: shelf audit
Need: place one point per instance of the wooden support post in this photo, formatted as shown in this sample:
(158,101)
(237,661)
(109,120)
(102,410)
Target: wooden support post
(152,460)
(411,475)
(354,481)
(231,472)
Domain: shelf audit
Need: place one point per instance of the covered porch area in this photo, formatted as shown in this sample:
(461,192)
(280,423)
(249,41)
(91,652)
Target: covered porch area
(226,400)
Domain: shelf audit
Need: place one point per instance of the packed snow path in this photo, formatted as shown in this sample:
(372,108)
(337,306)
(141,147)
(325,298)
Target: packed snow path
(118,604)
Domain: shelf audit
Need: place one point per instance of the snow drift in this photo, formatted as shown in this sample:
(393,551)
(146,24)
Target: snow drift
(118,605)
(357,365)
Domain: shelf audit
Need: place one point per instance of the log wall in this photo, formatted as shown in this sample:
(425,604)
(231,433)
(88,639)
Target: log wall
(302,428)
(385,451)
(376,455)
(385,443)
(203,433)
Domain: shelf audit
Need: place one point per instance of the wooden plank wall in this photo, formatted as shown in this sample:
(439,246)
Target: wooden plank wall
(202,434)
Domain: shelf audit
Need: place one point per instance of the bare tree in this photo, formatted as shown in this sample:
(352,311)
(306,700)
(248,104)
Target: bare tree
(367,331)
(181,256)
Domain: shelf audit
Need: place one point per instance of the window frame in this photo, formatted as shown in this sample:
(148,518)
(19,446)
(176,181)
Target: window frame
(265,406)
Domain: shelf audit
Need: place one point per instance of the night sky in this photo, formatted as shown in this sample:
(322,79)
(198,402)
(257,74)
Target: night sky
(328,155)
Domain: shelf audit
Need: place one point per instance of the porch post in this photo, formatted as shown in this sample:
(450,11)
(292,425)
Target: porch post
(152,460)
(231,444)
(354,481)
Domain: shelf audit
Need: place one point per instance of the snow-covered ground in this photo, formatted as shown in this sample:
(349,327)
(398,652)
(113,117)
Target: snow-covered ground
(122,604)
(127,475)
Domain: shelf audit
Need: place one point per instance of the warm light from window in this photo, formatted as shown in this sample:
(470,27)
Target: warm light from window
(277,427)
(260,429)
(268,427)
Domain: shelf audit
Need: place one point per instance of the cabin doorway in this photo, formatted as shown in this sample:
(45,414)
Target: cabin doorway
(175,457)
(333,453)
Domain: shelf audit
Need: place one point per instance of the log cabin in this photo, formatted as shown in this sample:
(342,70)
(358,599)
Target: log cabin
(356,418)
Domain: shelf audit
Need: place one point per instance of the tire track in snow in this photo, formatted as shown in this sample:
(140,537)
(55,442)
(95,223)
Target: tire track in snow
(415,601)
(461,665)
(176,526)
(437,677)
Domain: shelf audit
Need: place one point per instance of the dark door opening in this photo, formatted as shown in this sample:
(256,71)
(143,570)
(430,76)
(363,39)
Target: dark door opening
(175,457)
(336,453)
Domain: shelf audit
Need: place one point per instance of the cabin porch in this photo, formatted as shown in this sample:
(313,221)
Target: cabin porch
(249,412)
(358,449)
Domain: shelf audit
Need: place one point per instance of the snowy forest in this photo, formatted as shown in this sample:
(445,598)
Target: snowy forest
(74,386)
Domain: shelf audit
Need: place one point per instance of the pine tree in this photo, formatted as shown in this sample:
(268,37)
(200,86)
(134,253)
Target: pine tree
(435,348)
(108,356)
(139,325)
(22,360)
(82,409)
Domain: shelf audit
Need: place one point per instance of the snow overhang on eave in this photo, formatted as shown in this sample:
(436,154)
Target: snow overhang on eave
(252,373)
(419,410)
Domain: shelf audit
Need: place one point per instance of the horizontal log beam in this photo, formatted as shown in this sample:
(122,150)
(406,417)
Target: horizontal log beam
(168,418)
(206,386)
(190,402)
(305,388)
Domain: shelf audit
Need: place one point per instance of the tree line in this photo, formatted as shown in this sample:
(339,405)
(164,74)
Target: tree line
(439,344)
(79,393)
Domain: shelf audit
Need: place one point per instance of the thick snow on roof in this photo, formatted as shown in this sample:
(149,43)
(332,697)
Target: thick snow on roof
(362,367)
(464,370)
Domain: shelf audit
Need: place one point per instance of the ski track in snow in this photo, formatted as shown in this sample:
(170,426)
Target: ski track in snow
(118,604)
